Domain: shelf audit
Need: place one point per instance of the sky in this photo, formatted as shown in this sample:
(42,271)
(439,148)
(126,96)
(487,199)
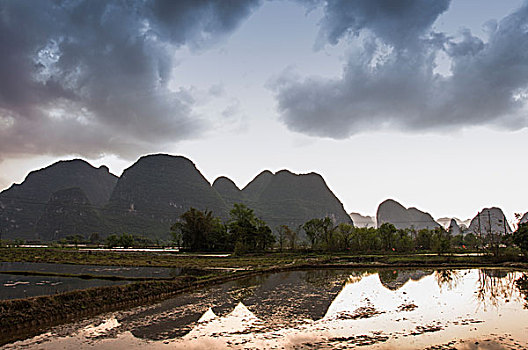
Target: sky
(422,101)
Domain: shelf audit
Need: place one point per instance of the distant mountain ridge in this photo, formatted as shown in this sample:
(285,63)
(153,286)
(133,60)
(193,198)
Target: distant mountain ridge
(285,198)
(21,205)
(446,222)
(390,211)
(73,197)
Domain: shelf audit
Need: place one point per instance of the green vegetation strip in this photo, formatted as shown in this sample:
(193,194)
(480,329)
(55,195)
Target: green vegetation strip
(170,260)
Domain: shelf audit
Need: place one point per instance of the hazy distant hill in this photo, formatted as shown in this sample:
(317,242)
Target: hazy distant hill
(22,205)
(363,221)
(393,212)
(489,220)
(69,212)
(155,191)
(446,222)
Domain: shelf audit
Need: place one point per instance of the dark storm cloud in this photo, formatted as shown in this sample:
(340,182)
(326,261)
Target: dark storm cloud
(90,77)
(396,21)
(390,80)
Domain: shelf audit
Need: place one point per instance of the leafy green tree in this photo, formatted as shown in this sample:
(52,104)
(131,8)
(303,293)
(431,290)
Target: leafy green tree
(520,238)
(200,231)
(440,240)
(423,239)
(403,241)
(265,237)
(193,228)
(313,230)
(126,240)
(291,236)
(142,241)
(281,236)
(243,227)
(219,240)
(368,239)
(249,233)
(471,241)
(345,237)
(112,241)
(95,238)
(387,233)
(177,235)
(320,232)
(75,239)
(458,241)
(327,233)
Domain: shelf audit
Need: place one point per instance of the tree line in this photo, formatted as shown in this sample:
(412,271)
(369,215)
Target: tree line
(245,233)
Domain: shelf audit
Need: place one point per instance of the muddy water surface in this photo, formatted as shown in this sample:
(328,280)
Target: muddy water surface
(123,271)
(14,286)
(319,309)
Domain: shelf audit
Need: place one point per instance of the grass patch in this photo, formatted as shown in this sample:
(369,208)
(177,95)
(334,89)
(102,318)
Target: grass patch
(85,276)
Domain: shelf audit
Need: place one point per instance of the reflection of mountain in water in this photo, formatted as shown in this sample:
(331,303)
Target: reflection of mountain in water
(279,300)
(395,279)
(288,297)
(266,304)
(240,319)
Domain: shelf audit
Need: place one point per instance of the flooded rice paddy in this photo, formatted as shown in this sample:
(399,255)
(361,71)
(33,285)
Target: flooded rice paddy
(17,286)
(319,309)
(13,286)
(122,271)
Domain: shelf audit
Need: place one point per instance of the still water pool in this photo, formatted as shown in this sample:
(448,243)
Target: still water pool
(17,286)
(320,309)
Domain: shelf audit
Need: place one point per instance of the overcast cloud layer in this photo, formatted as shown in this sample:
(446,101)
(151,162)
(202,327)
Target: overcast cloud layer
(91,77)
(390,80)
